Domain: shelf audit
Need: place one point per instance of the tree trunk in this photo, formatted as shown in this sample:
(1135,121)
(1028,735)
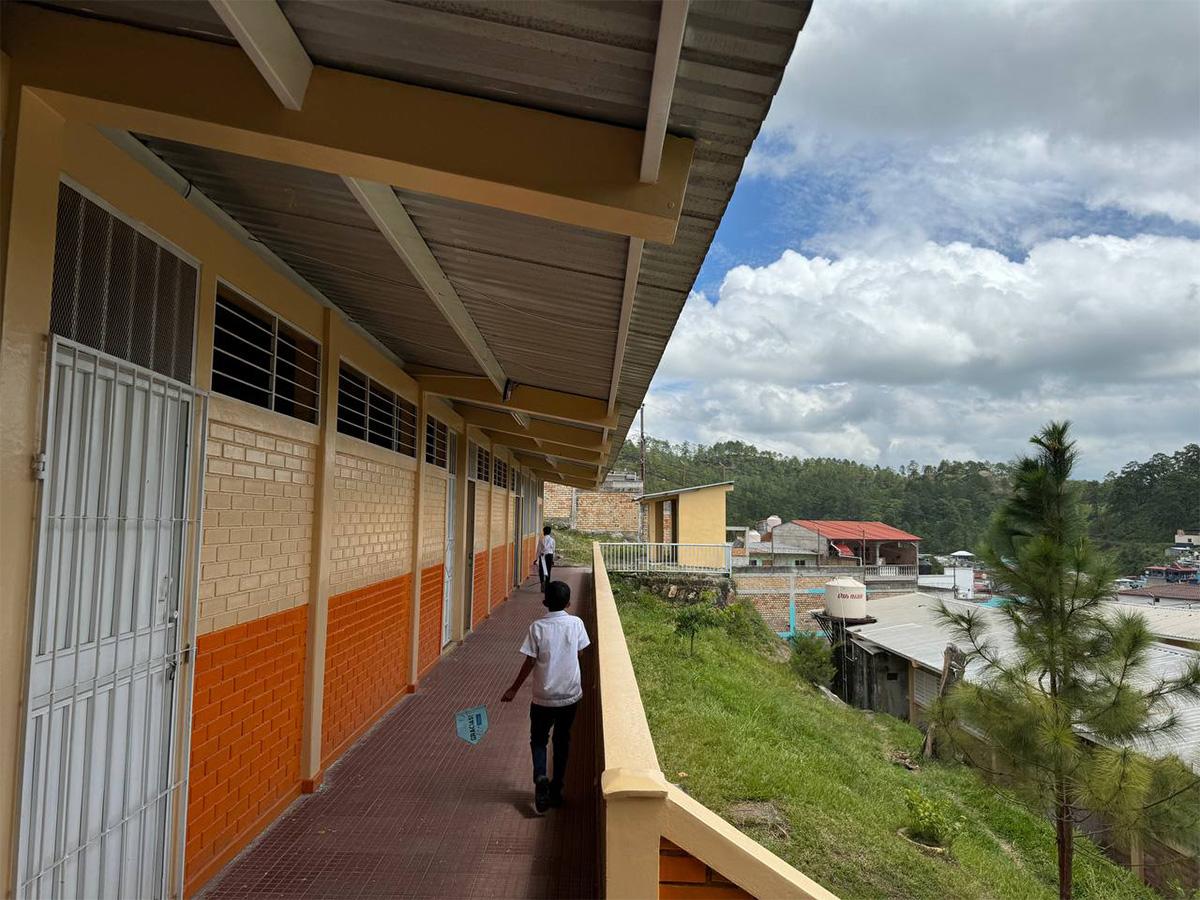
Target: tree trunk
(1064,835)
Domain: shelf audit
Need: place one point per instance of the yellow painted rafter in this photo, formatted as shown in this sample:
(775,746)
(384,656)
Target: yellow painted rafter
(556,167)
(503,423)
(558,451)
(522,399)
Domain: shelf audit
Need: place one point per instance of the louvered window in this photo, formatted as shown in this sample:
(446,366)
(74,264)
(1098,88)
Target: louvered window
(483,465)
(119,291)
(261,360)
(370,412)
(436,440)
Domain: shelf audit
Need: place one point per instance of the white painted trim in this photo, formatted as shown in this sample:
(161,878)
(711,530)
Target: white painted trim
(266,36)
(380,202)
(671,24)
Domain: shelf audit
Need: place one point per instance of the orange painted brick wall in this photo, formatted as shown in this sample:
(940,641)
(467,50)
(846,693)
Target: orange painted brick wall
(366,659)
(429,642)
(681,877)
(246,720)
(498,583)
(479,591)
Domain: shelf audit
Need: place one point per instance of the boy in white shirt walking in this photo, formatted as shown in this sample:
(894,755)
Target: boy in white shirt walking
(545,556)
(551,650)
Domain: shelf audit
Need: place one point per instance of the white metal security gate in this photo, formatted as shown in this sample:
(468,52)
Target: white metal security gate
(97,792)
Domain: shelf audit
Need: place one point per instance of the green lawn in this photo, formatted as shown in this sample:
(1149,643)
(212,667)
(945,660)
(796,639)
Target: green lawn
(732,724)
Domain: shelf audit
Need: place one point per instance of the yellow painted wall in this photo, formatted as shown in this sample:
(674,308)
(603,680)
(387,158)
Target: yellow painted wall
(291,512)
(700,516)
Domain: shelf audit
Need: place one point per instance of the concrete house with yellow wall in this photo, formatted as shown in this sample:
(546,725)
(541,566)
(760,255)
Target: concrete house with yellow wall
(279,394)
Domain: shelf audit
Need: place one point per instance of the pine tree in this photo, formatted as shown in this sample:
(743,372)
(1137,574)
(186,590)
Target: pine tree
(1059,686)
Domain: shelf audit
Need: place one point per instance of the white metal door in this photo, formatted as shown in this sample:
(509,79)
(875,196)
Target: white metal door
(97,787)
(448,567)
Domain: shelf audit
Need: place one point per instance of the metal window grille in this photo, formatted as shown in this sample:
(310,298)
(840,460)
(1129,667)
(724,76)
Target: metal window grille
(500,473)
(370,412)
(483,465)
(452,453)
(119,291)
(436,440)
(260,360)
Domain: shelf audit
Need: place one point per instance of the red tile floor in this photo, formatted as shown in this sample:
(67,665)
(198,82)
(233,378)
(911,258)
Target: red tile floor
(413,811)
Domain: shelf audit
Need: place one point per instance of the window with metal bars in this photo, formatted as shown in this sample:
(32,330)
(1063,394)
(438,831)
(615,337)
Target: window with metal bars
(370,412)
(261,360)
(483,465)
(500,473)
(436,442)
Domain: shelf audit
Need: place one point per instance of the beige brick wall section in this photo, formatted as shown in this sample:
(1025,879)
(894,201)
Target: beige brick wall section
(482,498)
(558,500)
(372,522)
(258,513)
(433,518)
(498,520)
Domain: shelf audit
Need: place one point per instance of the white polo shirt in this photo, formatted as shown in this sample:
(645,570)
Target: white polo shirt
(554,641)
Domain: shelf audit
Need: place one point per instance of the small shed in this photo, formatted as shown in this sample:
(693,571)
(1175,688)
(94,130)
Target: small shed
(697,514)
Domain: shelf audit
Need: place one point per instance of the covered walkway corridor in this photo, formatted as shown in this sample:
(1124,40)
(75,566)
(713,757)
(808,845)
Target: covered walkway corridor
(413,811)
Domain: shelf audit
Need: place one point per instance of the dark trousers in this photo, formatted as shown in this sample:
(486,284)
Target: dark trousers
(541,720)
(544,577)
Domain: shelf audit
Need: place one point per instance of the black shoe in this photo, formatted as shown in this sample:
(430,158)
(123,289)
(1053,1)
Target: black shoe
(541,795)
(556,797)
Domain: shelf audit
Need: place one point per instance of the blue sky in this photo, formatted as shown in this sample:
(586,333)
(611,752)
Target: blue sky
(959,221)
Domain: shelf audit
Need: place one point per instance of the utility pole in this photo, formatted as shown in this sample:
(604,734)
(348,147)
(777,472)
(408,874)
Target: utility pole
(642,415)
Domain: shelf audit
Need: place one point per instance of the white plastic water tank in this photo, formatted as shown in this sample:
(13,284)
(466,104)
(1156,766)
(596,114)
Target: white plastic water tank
(845,598)
(753,536)
(772,521)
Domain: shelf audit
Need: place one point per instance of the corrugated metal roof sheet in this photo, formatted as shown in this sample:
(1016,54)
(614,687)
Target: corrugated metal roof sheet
(546,297)
(842,530)
(909,626)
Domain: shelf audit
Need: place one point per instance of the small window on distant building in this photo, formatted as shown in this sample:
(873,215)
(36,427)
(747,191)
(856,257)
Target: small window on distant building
(261,360)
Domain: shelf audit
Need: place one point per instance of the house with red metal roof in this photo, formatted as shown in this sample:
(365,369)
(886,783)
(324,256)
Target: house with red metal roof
(856,543)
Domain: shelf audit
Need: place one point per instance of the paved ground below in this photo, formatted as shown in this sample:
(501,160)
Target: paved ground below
(413,811)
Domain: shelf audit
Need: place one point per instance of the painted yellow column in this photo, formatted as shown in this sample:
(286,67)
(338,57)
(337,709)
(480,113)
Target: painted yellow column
(414,642)
(324,508)
(461,511)
(36,152)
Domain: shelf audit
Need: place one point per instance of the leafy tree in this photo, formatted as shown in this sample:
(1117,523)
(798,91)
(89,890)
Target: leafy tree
(812,659)
(1065,705)
(695,617)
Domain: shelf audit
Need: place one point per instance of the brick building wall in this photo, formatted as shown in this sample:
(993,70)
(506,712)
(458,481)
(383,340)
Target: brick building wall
(372,525)
(682,877)
(258,509)
(366,666)
(245,744)
(605,511)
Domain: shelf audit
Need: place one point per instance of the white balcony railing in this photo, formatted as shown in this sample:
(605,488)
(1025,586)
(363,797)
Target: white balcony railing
(699,559)
(890,571)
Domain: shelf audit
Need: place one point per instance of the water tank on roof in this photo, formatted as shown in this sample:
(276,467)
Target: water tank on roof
(772,521)
(845,598)
(753,536)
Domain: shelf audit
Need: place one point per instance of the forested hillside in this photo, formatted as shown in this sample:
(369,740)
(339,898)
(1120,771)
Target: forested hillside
(1133,513)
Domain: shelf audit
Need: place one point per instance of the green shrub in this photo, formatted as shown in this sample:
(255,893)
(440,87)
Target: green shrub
(744,624)
(812,659)
(928,821)
(696,617)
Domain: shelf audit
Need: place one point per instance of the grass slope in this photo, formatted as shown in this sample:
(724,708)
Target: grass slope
(574,548)
(742,728)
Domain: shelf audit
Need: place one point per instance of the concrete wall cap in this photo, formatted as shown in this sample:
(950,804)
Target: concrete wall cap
(620,783)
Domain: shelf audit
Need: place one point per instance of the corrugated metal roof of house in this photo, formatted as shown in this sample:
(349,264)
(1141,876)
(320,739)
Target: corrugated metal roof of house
(521,278)
(909,626)
(845,530)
